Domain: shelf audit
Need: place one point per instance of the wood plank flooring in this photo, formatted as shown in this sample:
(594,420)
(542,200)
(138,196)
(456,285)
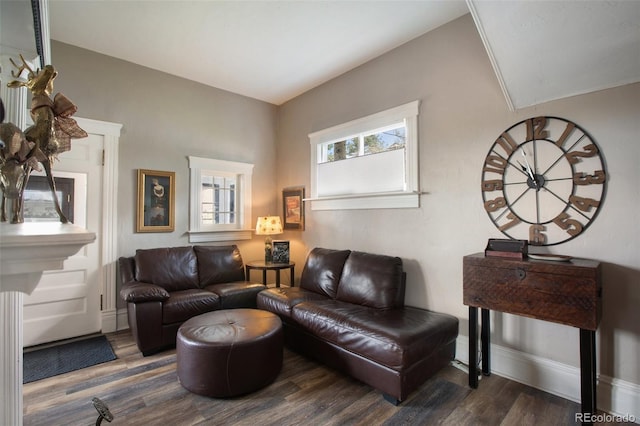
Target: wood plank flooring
(144,391)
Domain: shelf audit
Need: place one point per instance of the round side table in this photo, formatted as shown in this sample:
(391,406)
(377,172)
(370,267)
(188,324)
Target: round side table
(270,266)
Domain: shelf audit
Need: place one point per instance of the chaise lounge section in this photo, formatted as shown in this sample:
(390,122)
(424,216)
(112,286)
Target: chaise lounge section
(164,287)
(349,314)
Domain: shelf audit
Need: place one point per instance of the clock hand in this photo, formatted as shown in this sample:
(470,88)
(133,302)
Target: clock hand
(528,168)
(524,169)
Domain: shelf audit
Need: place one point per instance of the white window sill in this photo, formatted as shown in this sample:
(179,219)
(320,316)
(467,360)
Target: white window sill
(216,236)
(383,200)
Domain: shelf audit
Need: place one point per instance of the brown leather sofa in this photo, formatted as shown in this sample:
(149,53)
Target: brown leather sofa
(349,313)
(164,287)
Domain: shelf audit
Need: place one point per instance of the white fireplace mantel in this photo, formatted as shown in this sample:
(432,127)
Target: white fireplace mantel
(26,250)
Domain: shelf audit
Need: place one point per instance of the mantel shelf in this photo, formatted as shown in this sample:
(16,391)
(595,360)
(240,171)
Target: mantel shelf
(28,249)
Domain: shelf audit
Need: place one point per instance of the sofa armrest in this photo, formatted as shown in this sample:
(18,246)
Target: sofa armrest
(136,292)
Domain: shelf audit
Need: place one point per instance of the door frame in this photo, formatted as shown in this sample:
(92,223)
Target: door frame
(109,231)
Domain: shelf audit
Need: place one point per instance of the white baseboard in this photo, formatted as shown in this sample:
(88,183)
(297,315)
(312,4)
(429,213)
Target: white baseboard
(615,396)
(122,319)
(109,321)
(623,397)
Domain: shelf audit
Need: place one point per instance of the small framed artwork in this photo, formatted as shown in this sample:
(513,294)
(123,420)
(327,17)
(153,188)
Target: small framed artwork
(156,201)
(280,251)
(293,204)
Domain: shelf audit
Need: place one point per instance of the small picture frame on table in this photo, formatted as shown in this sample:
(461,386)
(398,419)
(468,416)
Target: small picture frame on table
(293,207)
(156,201)
(280,251)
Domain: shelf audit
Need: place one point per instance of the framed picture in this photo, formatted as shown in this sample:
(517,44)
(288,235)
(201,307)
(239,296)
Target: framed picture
(156,201)
(293,205)
(280,251)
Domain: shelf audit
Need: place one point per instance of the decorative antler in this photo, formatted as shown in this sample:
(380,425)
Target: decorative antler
(39,82)
(21,68)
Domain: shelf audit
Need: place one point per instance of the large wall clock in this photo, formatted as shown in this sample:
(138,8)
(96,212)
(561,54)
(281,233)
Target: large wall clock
(543,180)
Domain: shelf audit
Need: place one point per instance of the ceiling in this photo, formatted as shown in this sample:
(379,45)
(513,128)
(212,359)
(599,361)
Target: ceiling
(547,50)
(276,50)
(268,50)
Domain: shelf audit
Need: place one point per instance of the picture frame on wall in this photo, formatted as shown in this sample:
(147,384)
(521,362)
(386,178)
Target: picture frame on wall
(293,207)
(156,201)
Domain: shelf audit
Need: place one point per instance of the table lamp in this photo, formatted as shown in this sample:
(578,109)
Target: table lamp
(268,225)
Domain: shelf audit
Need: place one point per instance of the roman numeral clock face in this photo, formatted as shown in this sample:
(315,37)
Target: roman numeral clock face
(543,180)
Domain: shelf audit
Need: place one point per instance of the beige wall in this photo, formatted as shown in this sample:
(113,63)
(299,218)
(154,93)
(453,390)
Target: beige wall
(462,112)
(165,119)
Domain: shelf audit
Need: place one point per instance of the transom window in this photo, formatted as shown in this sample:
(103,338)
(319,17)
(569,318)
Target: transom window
(371,162)
(220,200)
(380,140)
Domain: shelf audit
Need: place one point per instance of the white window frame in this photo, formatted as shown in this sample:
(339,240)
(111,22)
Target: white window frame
(409,197)
(241,230)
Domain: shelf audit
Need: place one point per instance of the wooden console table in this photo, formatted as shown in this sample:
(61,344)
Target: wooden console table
(568,293)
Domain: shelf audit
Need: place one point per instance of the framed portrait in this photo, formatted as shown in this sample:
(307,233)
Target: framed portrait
(156,201)
(293,205)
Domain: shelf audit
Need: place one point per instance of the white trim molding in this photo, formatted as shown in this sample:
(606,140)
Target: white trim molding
(122,319)
(243,174)
(615,396)
(111,137)
(492,58)
(397,187)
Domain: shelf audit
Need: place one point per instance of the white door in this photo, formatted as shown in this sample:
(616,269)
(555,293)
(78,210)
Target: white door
(66,303)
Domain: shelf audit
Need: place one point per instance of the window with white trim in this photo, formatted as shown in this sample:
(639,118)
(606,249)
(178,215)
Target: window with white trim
(371,162)
(220,200)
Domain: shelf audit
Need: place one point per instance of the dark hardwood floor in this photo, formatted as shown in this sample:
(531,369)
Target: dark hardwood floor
(145,391)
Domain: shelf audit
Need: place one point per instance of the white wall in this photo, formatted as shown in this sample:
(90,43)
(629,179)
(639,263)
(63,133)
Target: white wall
(462,113)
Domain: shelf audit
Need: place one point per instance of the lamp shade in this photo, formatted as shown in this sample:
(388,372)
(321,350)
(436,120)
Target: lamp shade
(269,225)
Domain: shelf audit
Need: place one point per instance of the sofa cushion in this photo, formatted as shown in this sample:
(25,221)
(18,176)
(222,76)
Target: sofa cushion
(184,304)
(219,264)
(372,280)
(281,300)
(173,268)
(395,338)
(240,294)
(322,270)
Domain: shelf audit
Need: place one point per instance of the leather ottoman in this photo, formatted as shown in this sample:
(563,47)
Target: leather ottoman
(229,352)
